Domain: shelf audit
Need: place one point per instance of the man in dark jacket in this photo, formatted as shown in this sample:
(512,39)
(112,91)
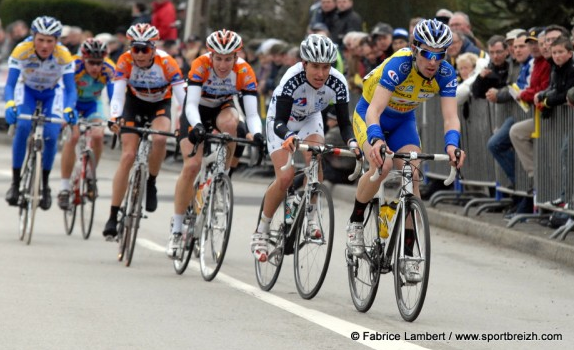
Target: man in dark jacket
(347,21)
(496,74)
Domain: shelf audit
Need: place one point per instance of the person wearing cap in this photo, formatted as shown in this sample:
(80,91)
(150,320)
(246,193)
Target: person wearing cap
(382,38)
(400,39)
(521,132)
(510,36)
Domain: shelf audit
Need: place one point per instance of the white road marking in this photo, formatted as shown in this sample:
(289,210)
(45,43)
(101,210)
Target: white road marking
(319,318)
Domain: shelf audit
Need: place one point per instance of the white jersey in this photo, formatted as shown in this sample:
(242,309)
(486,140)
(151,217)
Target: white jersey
(306,99)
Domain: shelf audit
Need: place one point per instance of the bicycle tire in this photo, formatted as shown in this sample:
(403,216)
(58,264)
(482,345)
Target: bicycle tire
(32,203)
(364,272)
(25,186)
(70,213)
(134,211)
(120,230)
(217,228)
(410,297)
(313,255)
(180,263)
(268,272)
(88,195)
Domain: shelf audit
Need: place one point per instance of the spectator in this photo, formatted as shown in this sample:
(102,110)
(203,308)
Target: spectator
(520,132)
(163,17)
(73,40)
(469,65)
(382,38)
(461,22)
(510,36)
(326,13)
(118,45)
(16,32)
(500,68)
(400,39)
(443,15)
(321,28)
(499,144)
(412,23)
(347,20)
(140,13)
(460,45)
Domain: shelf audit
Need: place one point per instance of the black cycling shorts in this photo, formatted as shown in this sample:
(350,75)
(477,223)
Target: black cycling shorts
(137,112)
(208,116)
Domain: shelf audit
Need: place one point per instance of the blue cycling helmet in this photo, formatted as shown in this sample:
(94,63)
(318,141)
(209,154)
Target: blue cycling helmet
(47,25)
(433,33)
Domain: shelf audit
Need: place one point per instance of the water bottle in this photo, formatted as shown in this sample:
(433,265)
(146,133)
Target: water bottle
(291,205)
(386,213)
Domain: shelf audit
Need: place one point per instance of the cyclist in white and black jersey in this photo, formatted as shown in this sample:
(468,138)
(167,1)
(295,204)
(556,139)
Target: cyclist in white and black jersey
(305,90)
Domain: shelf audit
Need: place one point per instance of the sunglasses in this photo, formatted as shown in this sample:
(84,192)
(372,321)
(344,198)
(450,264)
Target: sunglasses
(142,49)
(429,55)
(94,63)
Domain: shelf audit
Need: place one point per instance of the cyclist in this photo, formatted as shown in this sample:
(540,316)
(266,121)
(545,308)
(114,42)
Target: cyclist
(94,71)
(39,62)
(151,77)
(213,80)
(384,117)
(304,91)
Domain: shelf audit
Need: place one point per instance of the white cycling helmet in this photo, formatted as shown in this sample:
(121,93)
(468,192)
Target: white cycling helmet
(224,42)
(318,49)
(433,33)
(47,25)
(142,32)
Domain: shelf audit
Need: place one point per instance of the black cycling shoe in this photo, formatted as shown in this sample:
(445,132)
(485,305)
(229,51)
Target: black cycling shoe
(64,199)
(12,195)
(151,198)
(111,230)
(46,201)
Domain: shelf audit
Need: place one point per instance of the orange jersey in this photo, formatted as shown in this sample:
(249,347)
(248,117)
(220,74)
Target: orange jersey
(152,84)
(215,90)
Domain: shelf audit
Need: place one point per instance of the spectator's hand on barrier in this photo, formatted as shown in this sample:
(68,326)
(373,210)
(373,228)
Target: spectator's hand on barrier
(114,124)
(11,112)
(454,160)
(290,143)
(491,94)
(197,134)
(70,115)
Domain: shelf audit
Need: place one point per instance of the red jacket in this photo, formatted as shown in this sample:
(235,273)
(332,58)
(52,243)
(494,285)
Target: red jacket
(539,79)
(163,17)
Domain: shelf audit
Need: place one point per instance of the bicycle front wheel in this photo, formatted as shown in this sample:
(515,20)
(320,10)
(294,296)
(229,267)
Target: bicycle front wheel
(26,184)
(411,269)
(133,212)
(180,262)
(33,196)
(215,235)
(88,192)
(268,272)
(314,242)
(364,272)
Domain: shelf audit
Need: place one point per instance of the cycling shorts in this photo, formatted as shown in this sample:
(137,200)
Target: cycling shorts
(399,131)
(312,125)
(138,112)
(208,117)
(91,110)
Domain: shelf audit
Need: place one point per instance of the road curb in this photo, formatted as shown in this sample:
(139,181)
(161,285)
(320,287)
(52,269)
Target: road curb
(499,236)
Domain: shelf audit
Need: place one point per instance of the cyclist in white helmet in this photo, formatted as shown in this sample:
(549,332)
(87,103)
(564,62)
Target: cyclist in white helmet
(304,91)
(213,80)
(385,115)
(151,76)
(39,62)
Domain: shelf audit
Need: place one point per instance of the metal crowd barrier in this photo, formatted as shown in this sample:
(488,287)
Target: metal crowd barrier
(554,161)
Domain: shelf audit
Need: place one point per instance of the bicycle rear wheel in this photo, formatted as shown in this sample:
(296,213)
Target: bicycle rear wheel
(70,213)
(364,272)
(88,192)
(33,194)
(133,212)
(181,262)
(215,235)
(312,255)
(268,272)
(411,295)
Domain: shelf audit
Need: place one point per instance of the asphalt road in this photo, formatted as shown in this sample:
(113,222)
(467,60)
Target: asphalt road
(64,292)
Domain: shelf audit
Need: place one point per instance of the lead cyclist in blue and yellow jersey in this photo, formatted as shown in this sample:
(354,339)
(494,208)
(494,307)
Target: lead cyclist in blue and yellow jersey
(43,66)
(94,72)
(385,114)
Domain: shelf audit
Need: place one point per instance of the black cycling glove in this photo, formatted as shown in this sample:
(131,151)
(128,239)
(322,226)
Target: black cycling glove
(197,134)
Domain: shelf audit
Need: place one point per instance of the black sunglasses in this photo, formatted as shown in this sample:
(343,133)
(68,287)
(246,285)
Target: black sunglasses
(94,62)
(142,49)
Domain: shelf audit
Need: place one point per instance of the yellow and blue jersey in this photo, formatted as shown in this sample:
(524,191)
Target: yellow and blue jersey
(398,74)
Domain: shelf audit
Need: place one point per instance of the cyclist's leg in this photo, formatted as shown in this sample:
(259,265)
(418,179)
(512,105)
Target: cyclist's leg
(227,121)
(67,161)
(161,121)
(51,105)
(95,114)
(242,133)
